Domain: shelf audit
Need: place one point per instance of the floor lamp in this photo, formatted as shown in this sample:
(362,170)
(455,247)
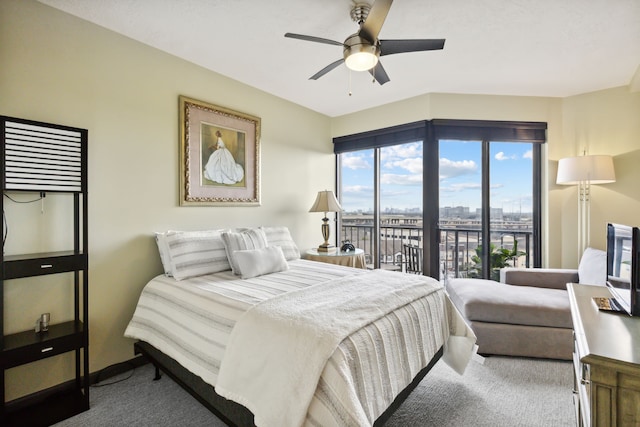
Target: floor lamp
(584,171)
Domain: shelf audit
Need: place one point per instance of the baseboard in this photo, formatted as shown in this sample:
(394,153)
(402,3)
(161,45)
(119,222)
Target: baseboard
(101,375)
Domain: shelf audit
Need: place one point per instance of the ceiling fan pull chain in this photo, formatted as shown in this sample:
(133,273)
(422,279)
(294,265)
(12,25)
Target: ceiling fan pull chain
(350,83)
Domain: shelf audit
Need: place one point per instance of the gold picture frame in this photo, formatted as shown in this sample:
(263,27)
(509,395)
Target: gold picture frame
(219,156)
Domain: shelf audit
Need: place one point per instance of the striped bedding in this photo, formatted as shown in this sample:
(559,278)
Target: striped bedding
(191,320)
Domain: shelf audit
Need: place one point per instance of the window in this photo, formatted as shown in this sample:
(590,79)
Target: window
(444,186)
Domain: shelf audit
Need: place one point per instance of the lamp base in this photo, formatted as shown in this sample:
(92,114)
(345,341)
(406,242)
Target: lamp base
(327,248)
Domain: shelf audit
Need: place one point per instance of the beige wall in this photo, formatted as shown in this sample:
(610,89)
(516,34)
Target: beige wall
(57,68)
(603,122)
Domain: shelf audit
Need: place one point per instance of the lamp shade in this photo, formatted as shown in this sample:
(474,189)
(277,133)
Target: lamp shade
(596,169)
(326,202)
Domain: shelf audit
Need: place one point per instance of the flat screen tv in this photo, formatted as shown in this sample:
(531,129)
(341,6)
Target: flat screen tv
(623,268)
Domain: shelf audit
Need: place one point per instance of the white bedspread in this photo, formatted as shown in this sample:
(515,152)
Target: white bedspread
(294,334)
(192,320)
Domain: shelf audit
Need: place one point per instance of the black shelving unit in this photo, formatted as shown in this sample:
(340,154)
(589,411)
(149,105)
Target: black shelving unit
(42,158)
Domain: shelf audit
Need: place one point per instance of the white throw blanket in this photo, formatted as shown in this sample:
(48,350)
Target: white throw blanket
(280,346)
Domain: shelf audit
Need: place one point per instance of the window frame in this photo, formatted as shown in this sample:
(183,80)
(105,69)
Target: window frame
(430,132)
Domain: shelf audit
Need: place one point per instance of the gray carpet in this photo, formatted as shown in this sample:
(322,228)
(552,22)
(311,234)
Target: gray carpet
(498,391)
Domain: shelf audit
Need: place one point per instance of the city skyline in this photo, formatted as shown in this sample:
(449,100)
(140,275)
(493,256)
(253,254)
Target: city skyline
(401,170)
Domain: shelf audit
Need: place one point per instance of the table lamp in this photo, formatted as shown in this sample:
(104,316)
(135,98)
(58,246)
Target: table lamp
(326,202)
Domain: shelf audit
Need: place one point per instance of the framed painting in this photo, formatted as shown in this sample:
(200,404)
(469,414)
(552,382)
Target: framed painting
(219,156)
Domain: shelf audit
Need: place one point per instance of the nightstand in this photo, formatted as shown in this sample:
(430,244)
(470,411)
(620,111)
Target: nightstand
(350,259)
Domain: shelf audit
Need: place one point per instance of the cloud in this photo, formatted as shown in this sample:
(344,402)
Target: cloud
(528,154)
(452,169)
(357,197)
(405,156)
(413,165)
(355,162)
(386,194)
(403,151)
(396,179)
(501,156)
(355,190)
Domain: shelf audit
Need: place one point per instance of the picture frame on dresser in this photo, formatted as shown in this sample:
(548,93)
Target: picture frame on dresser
(219,155)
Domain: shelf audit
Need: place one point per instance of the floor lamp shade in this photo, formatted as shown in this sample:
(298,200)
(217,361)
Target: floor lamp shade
(584,171)
(597,169)
(326,202)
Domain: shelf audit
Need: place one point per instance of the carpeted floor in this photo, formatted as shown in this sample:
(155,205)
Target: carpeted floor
(496,391)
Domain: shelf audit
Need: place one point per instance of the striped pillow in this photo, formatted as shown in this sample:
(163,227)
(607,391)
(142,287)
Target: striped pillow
(253,238)
(195,253)
(280,236)
(163,250)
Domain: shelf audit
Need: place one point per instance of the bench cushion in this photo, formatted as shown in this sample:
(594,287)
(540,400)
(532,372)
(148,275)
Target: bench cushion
(489,301)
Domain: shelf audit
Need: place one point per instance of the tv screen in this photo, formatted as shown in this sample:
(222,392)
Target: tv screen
(623,261)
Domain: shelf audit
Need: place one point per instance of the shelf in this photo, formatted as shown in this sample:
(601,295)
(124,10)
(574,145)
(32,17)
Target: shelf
(29,346)
(44,157)
(49,410)
(29,265)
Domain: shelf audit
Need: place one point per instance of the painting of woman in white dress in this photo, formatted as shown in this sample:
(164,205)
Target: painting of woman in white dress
(221,167)
(219,155)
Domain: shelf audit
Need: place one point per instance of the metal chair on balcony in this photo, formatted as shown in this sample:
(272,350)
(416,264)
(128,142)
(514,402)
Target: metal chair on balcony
(413,259)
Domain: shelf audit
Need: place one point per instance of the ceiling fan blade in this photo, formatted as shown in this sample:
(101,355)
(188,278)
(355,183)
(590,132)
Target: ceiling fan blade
(379,73)
(312,39)
(326,69)
(389,47)
(372,25)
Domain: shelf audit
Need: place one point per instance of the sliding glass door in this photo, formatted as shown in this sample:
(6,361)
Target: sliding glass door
(486,195)
(459,218)
(357,195)
(381,194)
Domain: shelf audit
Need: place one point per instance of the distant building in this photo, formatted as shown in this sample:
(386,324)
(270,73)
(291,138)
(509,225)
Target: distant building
(461,212)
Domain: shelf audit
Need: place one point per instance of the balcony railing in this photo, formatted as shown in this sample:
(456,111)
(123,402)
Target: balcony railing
(457,246)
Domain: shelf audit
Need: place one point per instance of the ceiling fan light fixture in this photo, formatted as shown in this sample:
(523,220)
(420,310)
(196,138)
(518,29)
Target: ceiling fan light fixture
(361,61)
(360,55)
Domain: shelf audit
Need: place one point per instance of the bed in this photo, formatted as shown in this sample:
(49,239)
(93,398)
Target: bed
(216,333)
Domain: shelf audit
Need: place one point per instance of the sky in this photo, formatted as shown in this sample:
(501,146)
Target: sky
(460,176)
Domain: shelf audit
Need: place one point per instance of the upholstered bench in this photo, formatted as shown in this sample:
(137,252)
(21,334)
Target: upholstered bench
(529,315)
(515,320)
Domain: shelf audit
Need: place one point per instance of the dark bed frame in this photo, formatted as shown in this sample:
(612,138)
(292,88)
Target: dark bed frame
(232,413)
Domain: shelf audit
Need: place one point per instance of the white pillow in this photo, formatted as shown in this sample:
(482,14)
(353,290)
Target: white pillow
(592,269)
(256,262)
(280,236)
(253,238)
(195,253)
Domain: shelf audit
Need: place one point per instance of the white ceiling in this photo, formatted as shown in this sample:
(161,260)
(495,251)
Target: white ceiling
(552,48)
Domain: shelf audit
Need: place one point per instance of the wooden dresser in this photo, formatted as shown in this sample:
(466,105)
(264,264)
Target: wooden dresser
(606,361)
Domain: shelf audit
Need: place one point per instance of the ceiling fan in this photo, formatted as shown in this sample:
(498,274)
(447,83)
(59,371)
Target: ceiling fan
(362,50)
